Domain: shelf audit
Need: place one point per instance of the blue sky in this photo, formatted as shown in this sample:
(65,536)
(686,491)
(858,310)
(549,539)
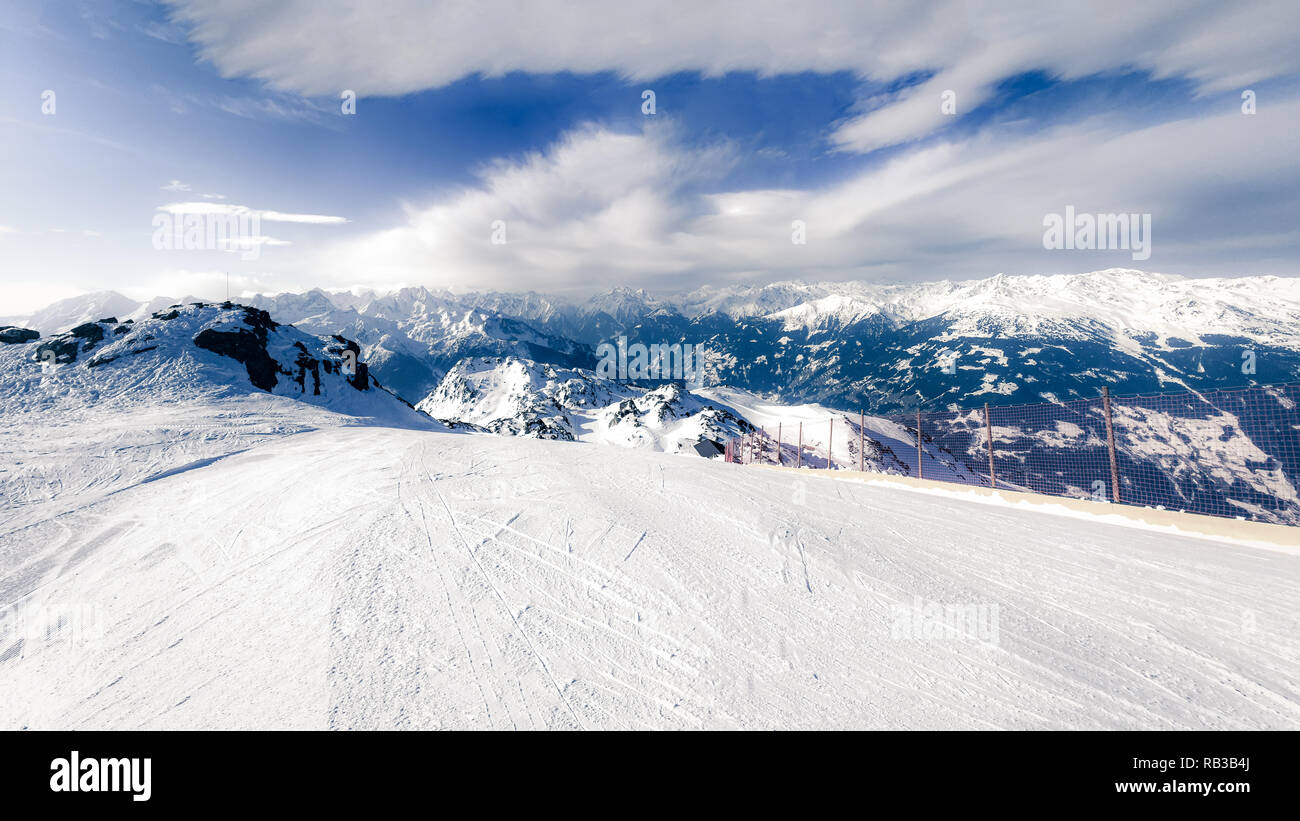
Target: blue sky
(531,114)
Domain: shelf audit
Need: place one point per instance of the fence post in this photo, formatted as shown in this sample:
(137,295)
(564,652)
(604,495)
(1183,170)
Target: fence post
(1110,444)
(920,474)
(830,436)
(862,439)
(988,430)
(799,464)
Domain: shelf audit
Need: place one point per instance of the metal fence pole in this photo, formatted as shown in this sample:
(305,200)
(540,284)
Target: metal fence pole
(862,438)
(988,430)
(920,474)
(1110,444)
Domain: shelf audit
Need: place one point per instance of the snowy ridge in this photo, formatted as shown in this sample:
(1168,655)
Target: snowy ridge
(132,401)
(519,397)
(1265,308)
(188,351)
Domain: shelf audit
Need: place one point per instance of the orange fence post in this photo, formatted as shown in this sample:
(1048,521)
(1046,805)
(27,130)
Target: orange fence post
(1110,444)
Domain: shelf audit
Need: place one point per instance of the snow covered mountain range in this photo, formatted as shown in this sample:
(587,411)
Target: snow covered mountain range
(522,364)
(884,348)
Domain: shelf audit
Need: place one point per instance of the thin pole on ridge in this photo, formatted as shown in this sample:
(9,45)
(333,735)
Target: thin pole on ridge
(799,464)
(830,435)
(778,443)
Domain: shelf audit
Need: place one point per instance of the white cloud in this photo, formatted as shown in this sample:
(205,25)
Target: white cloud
(601,208)
(320,47)
(175,185)
(222,209)
(248,243)
(596,203)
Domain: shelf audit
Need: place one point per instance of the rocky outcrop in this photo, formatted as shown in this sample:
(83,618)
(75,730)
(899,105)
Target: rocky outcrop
(244,347)
(65,348)
(9,335)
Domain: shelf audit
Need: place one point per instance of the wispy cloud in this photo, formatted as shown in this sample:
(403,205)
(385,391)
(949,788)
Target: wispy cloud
(285,107)
(162,30)
(178,186)
(266,105)
(223,209)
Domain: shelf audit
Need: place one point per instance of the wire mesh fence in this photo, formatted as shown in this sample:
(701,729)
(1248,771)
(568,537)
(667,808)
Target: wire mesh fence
(1232,452)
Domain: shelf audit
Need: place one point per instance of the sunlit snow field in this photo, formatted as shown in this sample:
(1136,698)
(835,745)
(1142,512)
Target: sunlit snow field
(256,562)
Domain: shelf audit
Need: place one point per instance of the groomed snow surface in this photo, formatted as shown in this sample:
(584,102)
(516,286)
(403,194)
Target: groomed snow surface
(333,574)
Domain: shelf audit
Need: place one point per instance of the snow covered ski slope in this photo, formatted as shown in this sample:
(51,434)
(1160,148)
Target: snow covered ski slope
(342,575)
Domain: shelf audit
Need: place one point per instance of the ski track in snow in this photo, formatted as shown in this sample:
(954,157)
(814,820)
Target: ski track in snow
(373,577)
